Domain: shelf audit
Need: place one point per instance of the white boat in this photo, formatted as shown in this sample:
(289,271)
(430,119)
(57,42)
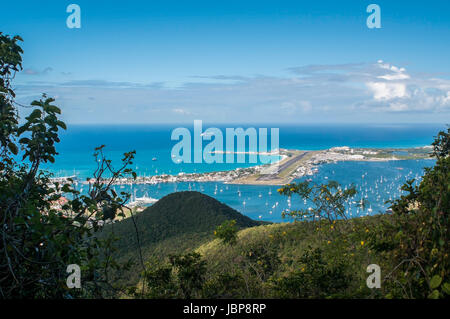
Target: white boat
(142,201)
(145,200)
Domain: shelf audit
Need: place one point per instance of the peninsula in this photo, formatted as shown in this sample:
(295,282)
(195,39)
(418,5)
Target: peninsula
(293,164)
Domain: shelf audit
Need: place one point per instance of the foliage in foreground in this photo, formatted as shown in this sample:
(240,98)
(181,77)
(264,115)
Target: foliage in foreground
(416,241)
(42,232)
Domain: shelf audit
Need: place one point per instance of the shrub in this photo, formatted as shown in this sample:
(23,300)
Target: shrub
(227,232)
(317,277)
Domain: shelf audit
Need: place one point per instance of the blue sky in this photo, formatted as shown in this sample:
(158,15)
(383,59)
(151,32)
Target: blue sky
(247,61)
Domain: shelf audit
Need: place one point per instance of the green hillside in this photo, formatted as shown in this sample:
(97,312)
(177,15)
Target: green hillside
(298,260)
(285,260)
(293,260)
(176,223)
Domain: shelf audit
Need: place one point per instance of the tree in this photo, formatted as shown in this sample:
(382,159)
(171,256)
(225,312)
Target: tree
(419,233)
(39,239)
(190,271)
(182,277)
(227,232)
(329,201)
(317,277)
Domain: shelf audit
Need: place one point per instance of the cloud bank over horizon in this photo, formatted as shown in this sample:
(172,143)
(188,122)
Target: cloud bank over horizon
(358,92)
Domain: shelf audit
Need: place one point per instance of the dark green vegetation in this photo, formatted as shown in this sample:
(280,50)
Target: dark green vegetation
(227,232)
(39,238)
(417,241)
(173,225)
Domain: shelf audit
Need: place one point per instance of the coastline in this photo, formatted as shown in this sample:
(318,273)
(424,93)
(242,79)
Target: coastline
(292,164)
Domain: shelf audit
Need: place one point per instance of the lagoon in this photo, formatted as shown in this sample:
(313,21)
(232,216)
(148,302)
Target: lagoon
(379,181)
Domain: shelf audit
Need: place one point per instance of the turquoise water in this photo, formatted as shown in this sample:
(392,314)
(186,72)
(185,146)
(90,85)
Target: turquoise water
(78,143)
(380,183)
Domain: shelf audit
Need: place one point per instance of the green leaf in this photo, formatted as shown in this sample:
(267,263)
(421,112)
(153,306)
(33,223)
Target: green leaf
(435,281)
(52,109)
(434,295)
(24,140)
(446,288)
(22,129)
(13,148)
(61,124)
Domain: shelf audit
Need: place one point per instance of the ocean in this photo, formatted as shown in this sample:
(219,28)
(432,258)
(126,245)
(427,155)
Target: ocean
(259,202)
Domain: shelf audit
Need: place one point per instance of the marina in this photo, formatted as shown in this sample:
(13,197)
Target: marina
(375,181)
(377,166)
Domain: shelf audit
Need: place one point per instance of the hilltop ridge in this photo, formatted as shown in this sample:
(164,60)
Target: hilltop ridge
(176,223)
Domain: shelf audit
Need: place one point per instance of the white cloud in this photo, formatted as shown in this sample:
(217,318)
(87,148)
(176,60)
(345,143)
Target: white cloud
(387,91)
(393,77)
(398,91)
(349,92)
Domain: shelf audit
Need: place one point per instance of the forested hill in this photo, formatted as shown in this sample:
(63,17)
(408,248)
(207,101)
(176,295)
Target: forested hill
(179,213)
(188,211)
(177,222)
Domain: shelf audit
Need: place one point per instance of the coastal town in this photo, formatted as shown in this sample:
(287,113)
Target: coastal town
(293,164)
